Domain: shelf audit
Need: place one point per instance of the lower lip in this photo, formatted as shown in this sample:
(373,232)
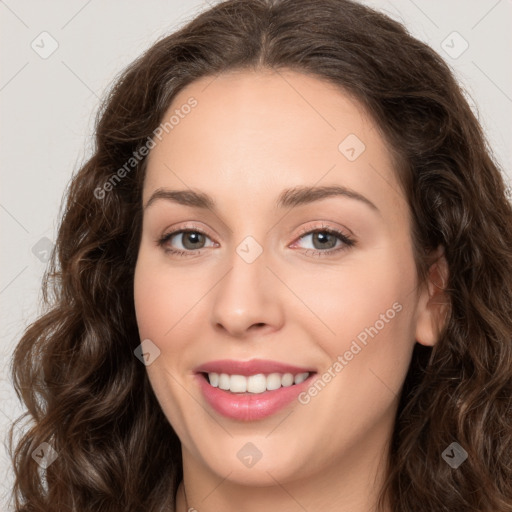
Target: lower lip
(250,406)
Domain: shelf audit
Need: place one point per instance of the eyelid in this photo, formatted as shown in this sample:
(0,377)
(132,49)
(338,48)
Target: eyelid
(180,229)
(328,227)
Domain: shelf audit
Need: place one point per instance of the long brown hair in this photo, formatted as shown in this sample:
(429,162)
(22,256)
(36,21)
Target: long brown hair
(89,397)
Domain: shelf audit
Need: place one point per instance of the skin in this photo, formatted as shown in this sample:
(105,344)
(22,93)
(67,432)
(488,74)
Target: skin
(251,135)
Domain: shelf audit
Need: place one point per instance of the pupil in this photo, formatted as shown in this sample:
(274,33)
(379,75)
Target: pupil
(323,237)
(192,235)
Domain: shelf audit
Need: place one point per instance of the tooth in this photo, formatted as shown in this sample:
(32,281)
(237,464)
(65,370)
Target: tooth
(224,381)
(287,380)
(273,381)
(257,383)
(301,377)
(238,384)
(214,379)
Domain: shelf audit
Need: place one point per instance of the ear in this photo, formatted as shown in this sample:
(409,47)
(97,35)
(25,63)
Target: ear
(433,302)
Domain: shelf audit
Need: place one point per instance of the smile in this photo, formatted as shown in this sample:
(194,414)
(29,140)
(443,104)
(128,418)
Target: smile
(251,390)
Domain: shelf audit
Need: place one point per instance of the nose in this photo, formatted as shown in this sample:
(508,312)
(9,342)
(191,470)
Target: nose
(247,299)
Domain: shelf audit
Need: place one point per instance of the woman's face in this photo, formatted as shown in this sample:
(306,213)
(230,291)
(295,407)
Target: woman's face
(286,161)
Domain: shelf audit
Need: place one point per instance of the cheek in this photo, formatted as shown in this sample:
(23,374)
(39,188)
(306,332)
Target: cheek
(161,296)
(148,296)
(159,302)
(367,311)
(360,295)
(170,304)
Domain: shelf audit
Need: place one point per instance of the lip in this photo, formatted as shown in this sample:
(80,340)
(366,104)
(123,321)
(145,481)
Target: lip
(252,367)
(250,406)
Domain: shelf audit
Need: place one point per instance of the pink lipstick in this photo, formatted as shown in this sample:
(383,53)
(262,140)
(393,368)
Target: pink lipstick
(251,390)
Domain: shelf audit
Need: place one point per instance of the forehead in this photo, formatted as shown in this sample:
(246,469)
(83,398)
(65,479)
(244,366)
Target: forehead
(254,131)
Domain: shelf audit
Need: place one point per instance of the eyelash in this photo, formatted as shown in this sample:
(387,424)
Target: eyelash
(347,241)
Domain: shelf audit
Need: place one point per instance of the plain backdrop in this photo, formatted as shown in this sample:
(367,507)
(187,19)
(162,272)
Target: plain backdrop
(59,57)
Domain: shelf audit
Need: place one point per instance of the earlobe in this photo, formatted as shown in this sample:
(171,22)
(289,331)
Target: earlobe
(434,303)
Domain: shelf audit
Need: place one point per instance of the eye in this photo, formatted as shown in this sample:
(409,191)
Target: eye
(324,241)
(191,240)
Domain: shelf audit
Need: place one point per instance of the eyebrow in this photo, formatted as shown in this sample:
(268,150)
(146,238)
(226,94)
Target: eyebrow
(289,198)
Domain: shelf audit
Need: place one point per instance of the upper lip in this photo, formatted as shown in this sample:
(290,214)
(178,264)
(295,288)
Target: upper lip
(252,367)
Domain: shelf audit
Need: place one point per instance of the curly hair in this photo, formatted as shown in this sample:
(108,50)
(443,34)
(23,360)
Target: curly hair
(89,397)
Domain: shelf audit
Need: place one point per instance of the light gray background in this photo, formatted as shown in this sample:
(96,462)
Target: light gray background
(48,108)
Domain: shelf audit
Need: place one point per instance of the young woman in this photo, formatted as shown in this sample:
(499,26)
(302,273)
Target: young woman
(282,282)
